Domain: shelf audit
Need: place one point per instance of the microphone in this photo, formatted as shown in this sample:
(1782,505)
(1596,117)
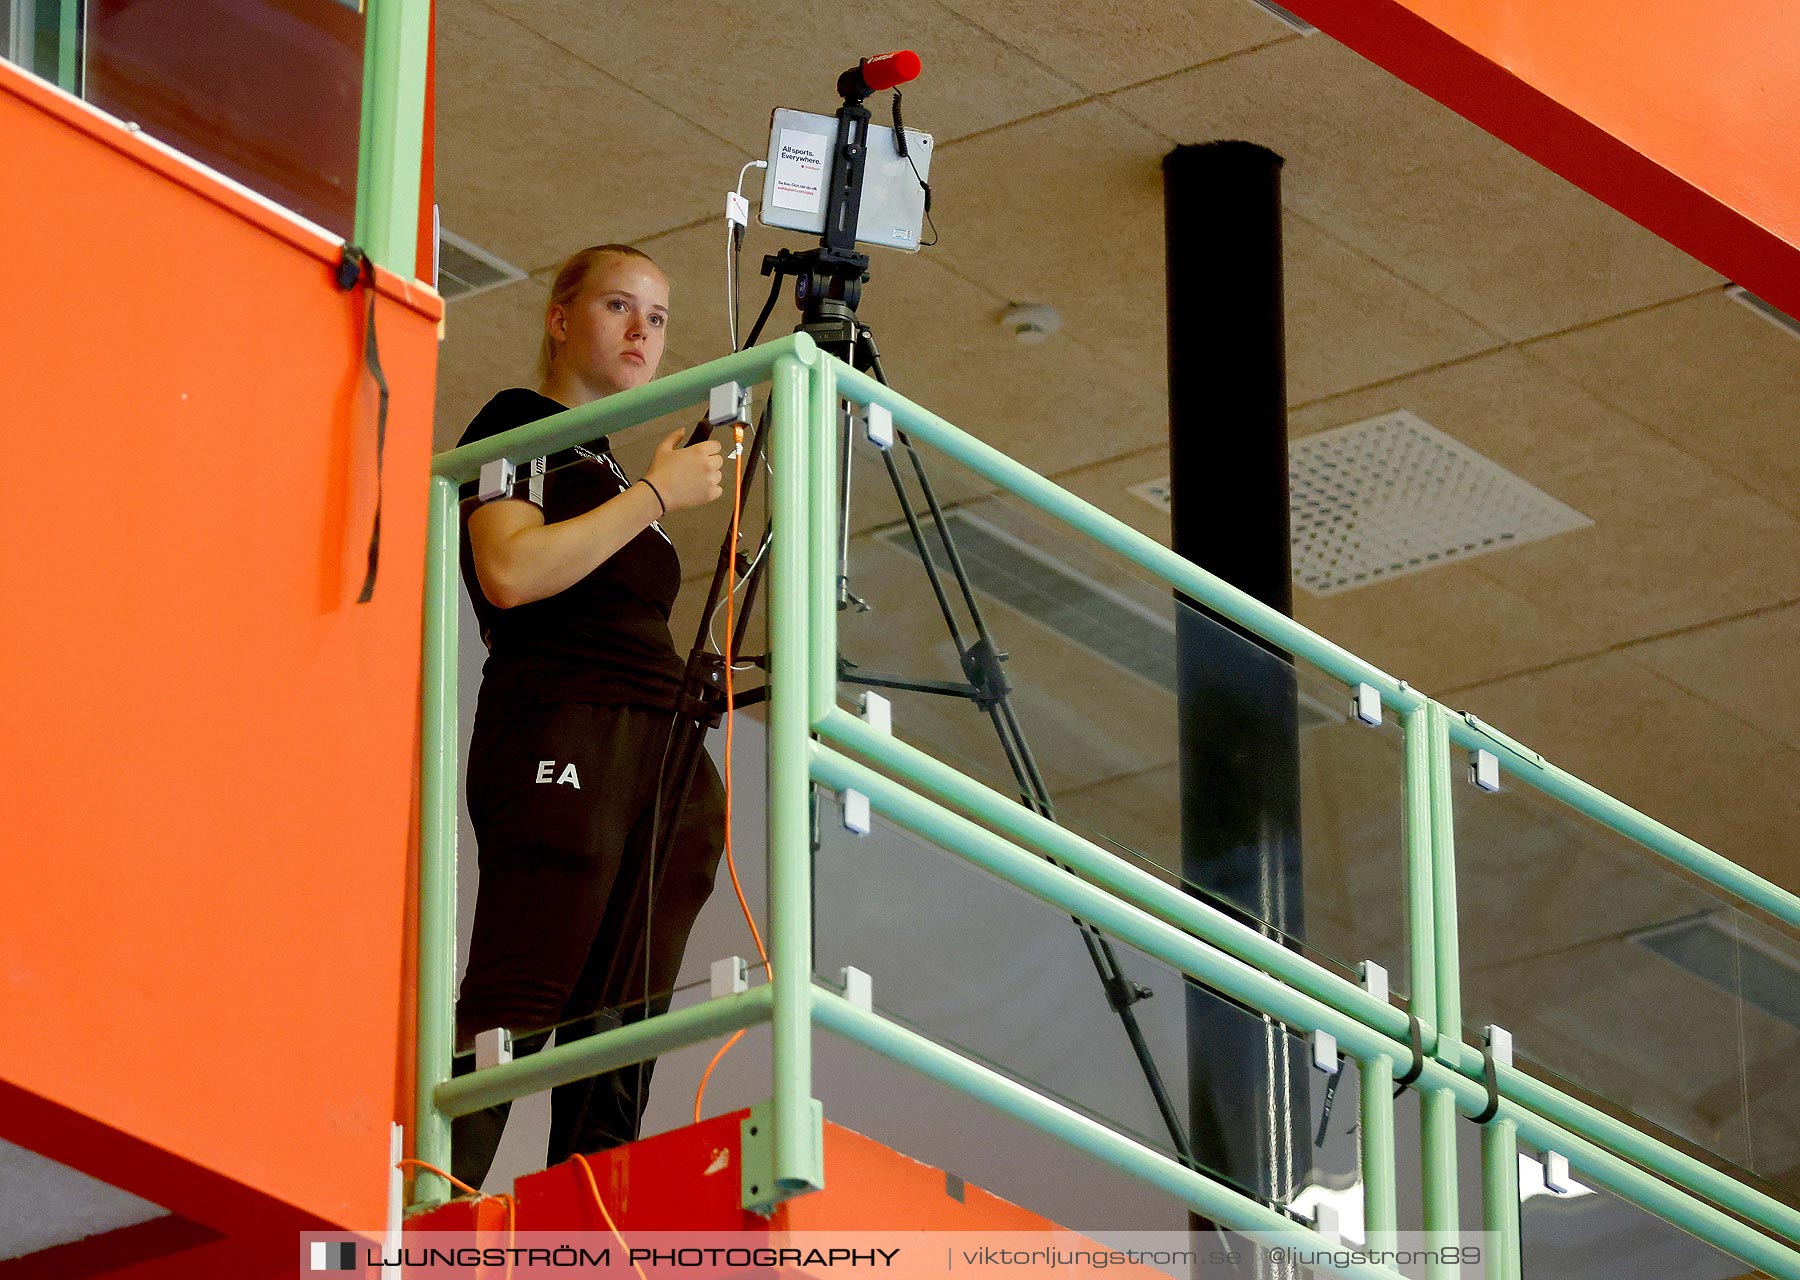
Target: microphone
(883,71)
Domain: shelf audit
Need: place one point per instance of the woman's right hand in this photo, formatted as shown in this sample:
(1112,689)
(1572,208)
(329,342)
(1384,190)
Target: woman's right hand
(687,477)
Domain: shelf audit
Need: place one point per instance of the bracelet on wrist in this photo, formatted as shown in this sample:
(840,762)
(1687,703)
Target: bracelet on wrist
(659,498)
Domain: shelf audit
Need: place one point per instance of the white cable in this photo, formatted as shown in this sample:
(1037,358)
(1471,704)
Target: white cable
(731,282)
(733,253)
(713,640)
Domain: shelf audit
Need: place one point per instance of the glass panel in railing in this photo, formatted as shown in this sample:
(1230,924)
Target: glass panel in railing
(977,1146)
(1289,811)
(268,92)
(976,964)
(1573,938)
(1574,1231)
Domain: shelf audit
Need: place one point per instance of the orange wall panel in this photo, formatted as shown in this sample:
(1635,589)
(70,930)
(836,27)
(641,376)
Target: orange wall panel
(1711,92)
(207,769)
(1683,115)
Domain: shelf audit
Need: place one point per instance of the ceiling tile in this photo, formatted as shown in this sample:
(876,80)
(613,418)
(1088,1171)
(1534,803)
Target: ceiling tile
(1620,726)
(1674,541)
(1413,185)
(539,154)
(1107,45)
(1351,322)
(704,60)
(1712,376)
(1749,667)
(1065,209)
(1090,244)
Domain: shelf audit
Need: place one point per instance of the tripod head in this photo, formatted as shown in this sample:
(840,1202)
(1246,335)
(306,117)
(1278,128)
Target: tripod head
(828,280)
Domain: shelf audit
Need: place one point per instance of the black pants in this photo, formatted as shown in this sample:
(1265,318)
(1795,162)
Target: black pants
(561,797)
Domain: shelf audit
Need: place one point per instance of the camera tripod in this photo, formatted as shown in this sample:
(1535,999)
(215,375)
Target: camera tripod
(828,282)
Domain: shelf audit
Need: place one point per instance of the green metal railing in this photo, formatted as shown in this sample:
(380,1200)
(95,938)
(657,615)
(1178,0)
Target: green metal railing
(812,741)
(396,47)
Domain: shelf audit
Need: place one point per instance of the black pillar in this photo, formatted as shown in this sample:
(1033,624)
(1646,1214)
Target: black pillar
(1239,737)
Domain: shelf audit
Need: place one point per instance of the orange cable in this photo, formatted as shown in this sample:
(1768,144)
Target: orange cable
(511,1220)
(601,1205)
(737,511)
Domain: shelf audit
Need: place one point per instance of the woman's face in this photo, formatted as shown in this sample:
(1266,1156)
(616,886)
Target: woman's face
(612,330)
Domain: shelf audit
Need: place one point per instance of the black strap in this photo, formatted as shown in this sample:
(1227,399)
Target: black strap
(1416,1034)
(354,267)
(1491,1077)
(1331,1084)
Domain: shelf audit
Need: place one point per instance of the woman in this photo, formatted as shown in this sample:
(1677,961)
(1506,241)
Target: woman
(572,580)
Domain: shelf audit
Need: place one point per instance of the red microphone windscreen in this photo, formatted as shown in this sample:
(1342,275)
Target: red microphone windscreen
(886,70)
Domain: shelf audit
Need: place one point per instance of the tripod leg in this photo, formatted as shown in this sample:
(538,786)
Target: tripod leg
(924,551)
(1033,791)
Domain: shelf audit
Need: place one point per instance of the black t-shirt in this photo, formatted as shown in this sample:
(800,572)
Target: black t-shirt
(604,639)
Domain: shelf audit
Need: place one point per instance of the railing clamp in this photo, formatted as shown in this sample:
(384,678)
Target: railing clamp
(1484,769)
(497,476)
(730,977)
(878,714)
(1365,704)
(878,425)
(1326,1058)
(859,988)
(1374,980)
(493,1048)
(729,402)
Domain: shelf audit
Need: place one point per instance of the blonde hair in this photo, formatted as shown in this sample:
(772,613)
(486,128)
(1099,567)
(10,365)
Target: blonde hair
(569,278)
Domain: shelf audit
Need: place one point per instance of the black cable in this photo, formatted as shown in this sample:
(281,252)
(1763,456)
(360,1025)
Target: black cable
(656,804)
(900,146)
(768,306)
(737,257)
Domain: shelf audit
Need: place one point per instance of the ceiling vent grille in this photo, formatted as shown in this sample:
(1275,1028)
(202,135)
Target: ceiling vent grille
(465,269)
(1394,495)
(1133,635)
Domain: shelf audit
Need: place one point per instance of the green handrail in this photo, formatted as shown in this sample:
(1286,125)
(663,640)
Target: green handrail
(1443,1089)
(913,789)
